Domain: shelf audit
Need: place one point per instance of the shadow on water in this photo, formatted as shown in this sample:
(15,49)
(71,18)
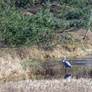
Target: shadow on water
(68,76)
(81,68)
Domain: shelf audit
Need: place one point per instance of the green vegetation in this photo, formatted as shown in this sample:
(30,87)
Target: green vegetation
(44,27)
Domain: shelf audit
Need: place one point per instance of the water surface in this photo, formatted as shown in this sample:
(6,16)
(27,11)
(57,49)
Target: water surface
(81,68)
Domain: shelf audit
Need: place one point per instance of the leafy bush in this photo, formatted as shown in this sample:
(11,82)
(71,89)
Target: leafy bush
(18,3)
(34,1)
(43,27)
(21,3)
(13,27)
(73,2)
(75,13)
(18,30)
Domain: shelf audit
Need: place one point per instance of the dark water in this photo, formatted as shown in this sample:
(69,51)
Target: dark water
(81,68)
(86,61)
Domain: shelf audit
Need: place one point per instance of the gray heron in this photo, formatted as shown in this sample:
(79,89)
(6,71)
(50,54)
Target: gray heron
(66,63)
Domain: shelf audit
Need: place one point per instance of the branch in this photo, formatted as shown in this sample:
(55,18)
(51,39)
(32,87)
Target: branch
(69,30)
(55,4)
(85,34)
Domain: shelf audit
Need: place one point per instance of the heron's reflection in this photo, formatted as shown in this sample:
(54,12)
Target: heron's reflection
(68,76)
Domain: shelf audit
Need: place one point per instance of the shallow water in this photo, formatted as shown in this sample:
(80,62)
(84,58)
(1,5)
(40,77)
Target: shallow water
(54,69)
(86,61)
(81,68)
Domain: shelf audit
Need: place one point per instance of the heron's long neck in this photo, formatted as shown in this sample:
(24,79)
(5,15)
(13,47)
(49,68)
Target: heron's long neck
(63,60)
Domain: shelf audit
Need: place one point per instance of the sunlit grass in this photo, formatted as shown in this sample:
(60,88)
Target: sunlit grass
(25,63)
(60,85)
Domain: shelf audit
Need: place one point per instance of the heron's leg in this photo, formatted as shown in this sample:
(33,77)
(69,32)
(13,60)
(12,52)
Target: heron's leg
(65,70)
(69,69)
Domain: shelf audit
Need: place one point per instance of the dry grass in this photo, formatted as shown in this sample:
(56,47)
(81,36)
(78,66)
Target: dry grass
(60,85)
(12,60)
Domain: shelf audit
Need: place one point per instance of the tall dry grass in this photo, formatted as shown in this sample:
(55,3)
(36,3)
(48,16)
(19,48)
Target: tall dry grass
(80,85)
(12,60)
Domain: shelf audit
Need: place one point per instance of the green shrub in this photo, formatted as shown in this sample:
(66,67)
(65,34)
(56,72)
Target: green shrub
(73,2)
(18,3)
(13,27)
(34,1)
(75,13)
(18,30)
(21,3)
(41,28)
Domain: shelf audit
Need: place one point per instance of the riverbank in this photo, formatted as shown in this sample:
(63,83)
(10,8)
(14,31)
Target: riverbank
(23,63)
